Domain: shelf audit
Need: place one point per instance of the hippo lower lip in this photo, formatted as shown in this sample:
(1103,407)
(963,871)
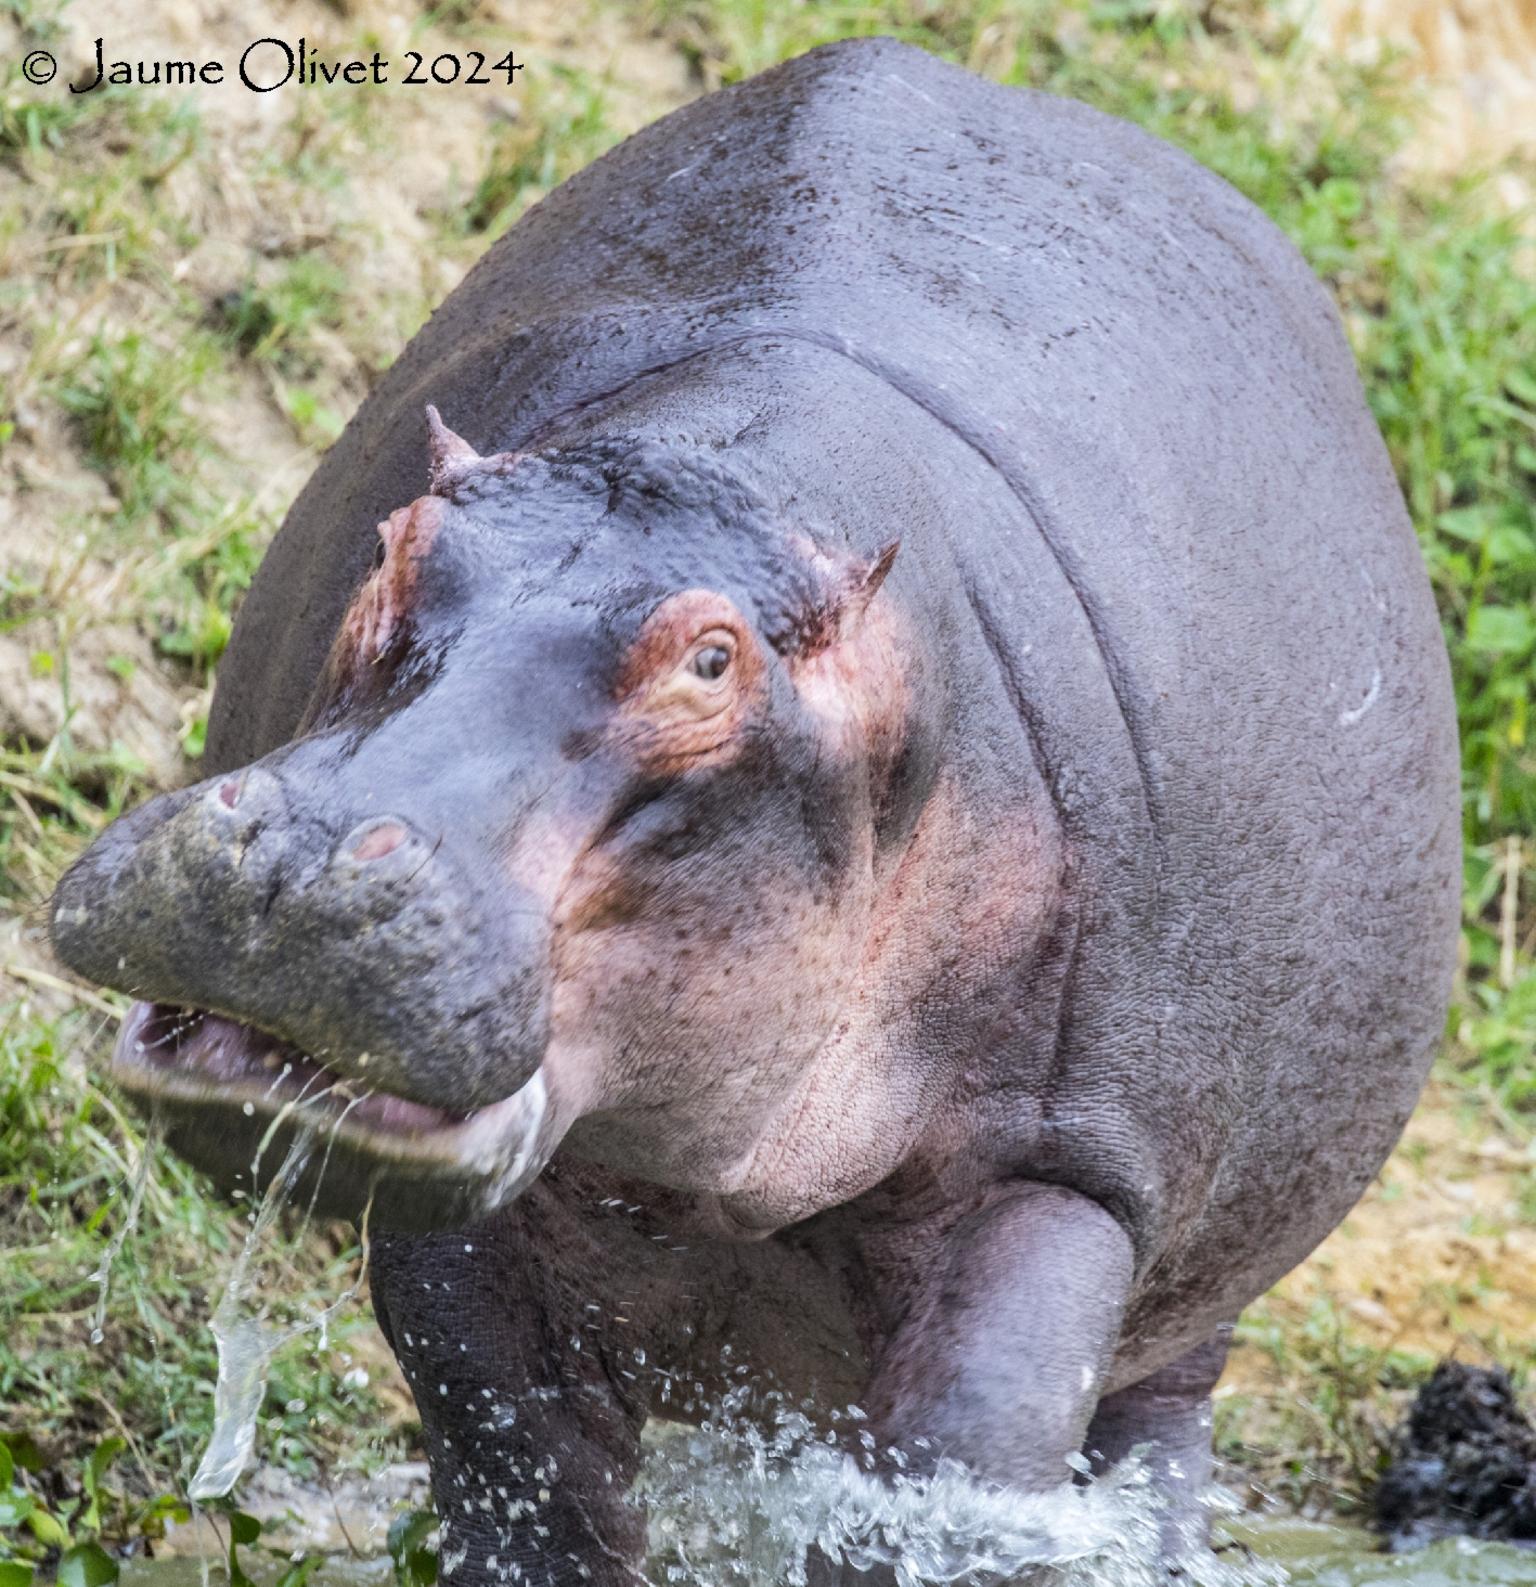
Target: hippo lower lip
(214,1078)
(189,1051)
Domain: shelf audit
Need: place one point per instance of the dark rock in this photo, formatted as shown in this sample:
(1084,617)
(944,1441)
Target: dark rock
(1464,1463)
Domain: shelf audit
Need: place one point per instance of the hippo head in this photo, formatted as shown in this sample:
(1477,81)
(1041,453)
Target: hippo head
(580,833)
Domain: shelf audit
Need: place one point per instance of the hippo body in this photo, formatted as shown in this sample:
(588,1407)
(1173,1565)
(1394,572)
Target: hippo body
(1095,966)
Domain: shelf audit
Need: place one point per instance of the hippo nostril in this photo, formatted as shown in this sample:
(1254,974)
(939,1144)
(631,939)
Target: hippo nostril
(244,800)
(377,840)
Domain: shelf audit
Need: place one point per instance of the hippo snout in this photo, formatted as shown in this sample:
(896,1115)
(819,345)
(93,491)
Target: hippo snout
(359,939)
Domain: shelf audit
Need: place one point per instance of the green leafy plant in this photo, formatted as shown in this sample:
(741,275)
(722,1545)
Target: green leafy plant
(410,1550)
(68,1532)
(245,1532)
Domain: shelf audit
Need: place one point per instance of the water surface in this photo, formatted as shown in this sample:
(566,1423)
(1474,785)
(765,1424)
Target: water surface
(1304,1554)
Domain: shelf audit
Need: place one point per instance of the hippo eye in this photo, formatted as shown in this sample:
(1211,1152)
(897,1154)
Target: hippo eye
(379,552)
(710,662)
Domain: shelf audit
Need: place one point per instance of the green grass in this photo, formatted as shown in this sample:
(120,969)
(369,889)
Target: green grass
(129,399)
(50,807)
(566,128)
(67,1155)
(29,125)
(277,319)
(1321,1446)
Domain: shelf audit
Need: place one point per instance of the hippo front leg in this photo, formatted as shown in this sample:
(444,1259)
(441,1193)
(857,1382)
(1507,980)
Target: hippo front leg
(1000,1357)
(1000,1354)
(532,1447)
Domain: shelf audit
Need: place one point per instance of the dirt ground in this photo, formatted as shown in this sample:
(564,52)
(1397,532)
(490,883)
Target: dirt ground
(1474,61)
(1439,1257)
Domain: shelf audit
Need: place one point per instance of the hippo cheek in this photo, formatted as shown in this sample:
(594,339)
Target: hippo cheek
(696,1012)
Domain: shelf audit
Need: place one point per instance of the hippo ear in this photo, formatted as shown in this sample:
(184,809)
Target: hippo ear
(860,585)
(450,456)
(851,584)
(451,459)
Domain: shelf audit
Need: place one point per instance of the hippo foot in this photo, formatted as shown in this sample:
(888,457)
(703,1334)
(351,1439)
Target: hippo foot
(1165,1420)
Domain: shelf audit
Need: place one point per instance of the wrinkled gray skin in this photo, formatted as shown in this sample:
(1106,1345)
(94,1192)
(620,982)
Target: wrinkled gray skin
(1045,946)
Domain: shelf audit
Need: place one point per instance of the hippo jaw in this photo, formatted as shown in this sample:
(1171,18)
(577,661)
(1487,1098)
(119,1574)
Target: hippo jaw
(293,977)
(233,1099)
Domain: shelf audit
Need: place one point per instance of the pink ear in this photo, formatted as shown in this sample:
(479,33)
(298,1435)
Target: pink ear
(850,585)
(450,456)
(869,576)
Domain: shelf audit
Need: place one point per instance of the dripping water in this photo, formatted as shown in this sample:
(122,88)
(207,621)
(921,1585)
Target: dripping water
(246,1338)
(137,1185)
(246,1343)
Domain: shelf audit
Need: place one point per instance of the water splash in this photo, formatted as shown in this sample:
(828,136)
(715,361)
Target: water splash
(138,1183)
(245,1342)
(734,1505)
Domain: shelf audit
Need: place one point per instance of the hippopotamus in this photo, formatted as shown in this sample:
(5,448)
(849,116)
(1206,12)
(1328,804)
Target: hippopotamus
(848,768)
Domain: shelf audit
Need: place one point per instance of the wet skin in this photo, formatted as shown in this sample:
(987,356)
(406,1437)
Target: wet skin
(902,818)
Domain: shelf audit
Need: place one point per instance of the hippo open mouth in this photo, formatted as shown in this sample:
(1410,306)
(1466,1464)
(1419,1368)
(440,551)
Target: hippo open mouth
(231,1094)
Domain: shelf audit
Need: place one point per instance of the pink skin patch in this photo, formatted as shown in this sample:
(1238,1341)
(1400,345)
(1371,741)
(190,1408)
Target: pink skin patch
(374,617)
(378,841)
(669,717)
